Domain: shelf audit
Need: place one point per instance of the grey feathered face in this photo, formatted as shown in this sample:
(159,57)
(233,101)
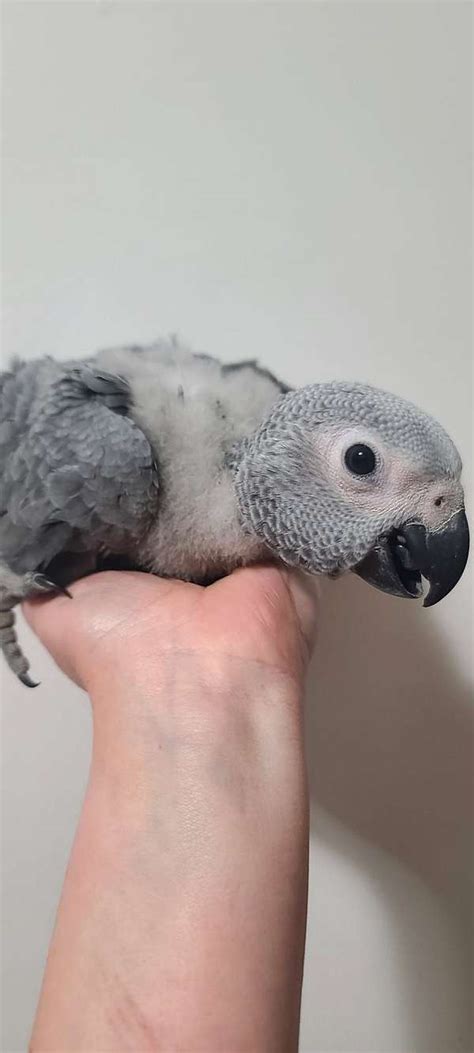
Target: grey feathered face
(343,476)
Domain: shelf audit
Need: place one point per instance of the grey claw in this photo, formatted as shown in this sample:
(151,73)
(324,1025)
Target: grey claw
(42,582)
(27,681)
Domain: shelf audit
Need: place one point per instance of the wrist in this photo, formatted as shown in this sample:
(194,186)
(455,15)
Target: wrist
(218,728)
(190,697)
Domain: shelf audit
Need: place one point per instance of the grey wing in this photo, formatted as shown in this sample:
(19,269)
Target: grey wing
(76,469)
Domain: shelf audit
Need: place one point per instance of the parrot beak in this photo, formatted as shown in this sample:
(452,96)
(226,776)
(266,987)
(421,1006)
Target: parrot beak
(398,561)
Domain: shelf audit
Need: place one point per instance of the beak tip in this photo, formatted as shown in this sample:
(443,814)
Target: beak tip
(439,558)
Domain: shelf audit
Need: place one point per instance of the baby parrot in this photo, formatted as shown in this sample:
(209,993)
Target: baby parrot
(159,459)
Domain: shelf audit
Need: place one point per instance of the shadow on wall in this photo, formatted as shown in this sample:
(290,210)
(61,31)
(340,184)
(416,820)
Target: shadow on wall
(390,734)
(390,928)
(390,747)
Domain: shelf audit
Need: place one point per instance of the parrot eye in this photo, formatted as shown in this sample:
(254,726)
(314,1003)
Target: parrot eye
(360,459)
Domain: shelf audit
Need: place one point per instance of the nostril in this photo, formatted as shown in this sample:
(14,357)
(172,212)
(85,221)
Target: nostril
(439,501)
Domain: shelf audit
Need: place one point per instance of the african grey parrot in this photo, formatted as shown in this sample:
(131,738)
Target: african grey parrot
(174,463)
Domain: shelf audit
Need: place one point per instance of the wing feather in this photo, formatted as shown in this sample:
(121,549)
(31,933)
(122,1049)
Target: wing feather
(73,461)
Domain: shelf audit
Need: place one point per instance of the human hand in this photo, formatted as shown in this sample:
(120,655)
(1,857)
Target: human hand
(263,614)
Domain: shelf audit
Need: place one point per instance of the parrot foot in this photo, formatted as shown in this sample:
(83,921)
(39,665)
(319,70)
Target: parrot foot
(8,641)
(29,585)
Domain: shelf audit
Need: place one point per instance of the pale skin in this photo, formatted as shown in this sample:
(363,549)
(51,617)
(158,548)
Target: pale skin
(181,924)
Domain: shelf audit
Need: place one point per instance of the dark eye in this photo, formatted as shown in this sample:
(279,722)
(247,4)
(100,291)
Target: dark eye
(360,459)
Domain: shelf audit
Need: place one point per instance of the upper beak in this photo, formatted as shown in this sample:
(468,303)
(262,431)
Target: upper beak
(398,561)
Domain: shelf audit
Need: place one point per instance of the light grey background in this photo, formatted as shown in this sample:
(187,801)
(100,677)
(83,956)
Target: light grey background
(289,181)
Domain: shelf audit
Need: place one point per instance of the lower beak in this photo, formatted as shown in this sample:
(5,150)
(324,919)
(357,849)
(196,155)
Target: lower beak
(398,561)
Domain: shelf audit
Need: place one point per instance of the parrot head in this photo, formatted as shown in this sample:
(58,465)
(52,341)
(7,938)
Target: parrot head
(346,477)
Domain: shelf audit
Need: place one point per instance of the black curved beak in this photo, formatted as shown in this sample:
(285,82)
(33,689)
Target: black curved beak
(397,562)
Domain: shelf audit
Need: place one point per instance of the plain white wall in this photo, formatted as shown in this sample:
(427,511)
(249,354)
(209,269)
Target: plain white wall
(289,181)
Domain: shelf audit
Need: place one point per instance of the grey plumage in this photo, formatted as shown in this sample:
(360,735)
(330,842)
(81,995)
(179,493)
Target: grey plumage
(186,467)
